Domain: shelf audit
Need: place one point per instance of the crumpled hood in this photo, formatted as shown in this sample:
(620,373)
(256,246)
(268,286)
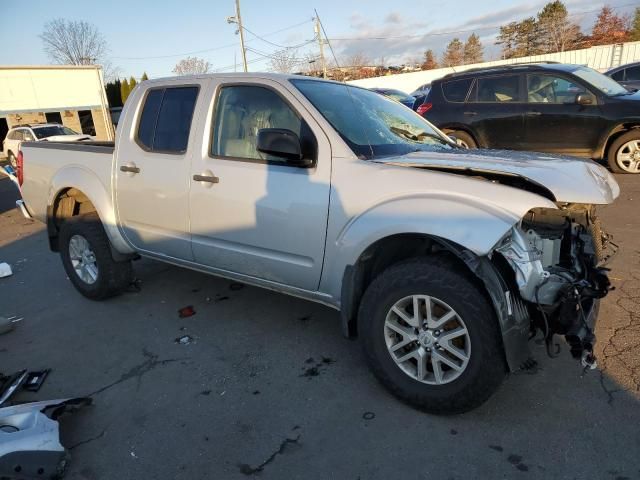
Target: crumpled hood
(571,180)
(67,138)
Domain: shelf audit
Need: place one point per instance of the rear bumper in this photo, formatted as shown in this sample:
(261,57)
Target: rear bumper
(23,208)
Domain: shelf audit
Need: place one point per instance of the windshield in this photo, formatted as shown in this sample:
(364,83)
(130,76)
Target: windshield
(44,132)
(373,126)
(396,95)
(606,85)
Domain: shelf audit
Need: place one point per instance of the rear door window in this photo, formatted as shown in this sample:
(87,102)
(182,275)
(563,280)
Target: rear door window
(618,76)
(456,90)
(165,121)
(499,89)
(633,74)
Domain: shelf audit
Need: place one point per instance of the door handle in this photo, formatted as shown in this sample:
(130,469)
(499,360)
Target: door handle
(471,114)
(534,114)
(206,178)
(129,169)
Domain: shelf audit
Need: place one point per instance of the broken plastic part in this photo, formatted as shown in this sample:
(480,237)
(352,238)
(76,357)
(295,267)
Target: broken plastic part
(34,380)
(30,445)
(10,384)
(5,270)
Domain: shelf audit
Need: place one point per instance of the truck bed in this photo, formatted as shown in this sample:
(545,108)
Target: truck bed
(48,165)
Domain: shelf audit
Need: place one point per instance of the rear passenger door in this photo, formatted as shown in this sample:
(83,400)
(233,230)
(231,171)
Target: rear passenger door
(495,111)
(153,162)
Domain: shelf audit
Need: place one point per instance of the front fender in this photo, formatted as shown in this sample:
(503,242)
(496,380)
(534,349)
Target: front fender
(476,225)
(93,188)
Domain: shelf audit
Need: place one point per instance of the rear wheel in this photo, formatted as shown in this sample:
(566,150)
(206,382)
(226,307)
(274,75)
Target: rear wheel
(464,139)
(86,257)
(431,337)
(624,153)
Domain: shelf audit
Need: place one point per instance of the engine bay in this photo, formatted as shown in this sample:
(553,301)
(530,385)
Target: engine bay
(558,258)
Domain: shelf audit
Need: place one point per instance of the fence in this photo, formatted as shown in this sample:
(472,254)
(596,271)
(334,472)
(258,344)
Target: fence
(601,58)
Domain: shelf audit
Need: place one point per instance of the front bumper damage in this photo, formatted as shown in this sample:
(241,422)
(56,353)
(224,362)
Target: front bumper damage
(30,445)
(555,269)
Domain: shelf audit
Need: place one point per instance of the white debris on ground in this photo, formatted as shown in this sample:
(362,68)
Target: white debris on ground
(5,270)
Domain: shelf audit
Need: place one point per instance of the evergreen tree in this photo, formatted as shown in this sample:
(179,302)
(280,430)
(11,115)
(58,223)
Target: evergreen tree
(454,54)
(114,97)
(144,77)
(508,38)
(430,61)
(634,34)
(124,90)
(557,33)
(472,52)
(132,83)
(609,28)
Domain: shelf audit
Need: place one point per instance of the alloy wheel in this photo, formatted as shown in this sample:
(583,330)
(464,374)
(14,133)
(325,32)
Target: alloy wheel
(628,157)
(427,339)
(83,259)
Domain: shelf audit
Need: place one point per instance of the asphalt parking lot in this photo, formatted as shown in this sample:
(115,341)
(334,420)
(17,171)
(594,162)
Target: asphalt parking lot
(268,388)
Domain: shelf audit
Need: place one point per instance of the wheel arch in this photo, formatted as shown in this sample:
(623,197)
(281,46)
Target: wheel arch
(486,274)
(612,135)
(71,201)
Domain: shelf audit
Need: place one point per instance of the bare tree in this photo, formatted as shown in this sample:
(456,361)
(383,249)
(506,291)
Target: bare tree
(284,61)
(72,42)
(191,66)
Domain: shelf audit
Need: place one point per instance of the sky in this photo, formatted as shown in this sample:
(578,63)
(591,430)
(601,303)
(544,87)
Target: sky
(153,35)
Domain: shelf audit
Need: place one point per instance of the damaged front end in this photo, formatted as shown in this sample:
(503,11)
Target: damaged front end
(557,259)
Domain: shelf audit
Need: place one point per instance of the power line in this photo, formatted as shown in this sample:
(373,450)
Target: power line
(290,27)
(335,59)
(306,42)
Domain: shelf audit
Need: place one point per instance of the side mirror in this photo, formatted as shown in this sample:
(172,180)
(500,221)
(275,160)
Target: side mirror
(283,143)
(583,99)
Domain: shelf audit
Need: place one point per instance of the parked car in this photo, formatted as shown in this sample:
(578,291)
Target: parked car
(37,132)
(421,91)
(626,75)
(338,195)
(396,95)
(555,108)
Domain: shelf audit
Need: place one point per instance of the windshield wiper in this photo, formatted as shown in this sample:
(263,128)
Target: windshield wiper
(412,136)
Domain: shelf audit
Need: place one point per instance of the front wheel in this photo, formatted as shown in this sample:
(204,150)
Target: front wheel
(464,139)
(431,337)
(12,160)
(624,153)
(86,257)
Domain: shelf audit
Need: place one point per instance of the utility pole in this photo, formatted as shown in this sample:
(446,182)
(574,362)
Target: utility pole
(318,32)
(238,20)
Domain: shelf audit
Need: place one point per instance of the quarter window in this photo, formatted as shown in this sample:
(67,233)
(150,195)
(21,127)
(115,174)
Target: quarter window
(165,121)
(241,112)
(503,89)
(456,90)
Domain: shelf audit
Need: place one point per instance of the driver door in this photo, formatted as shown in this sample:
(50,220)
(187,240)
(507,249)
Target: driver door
(554,122)
(254,214)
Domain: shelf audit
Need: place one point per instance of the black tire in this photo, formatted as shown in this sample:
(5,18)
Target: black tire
(12,160)
(465,138)
(616,146)
(113,277)
(444,279)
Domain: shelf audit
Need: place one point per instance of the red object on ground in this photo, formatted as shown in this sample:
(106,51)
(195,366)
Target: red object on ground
(187,311)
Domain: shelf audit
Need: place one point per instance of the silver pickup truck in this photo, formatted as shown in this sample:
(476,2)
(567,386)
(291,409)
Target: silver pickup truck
(441,260)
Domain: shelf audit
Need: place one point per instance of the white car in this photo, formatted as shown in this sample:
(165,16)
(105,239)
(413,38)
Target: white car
(51,132)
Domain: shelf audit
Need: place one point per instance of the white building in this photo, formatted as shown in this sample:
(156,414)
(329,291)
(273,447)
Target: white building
(67,94)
